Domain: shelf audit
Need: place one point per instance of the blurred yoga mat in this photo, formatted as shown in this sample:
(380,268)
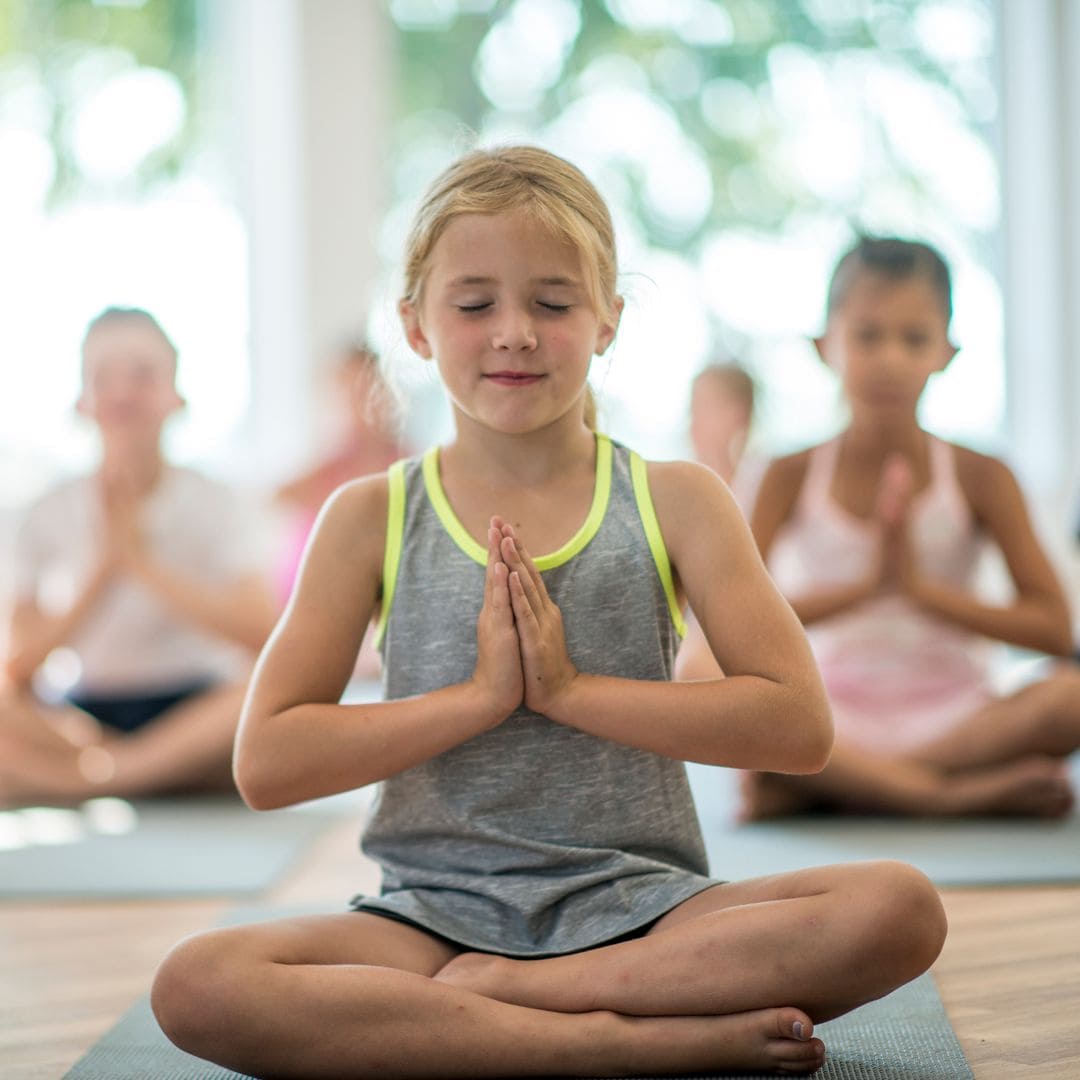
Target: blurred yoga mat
(970,851)
(905,1036)
(194,846)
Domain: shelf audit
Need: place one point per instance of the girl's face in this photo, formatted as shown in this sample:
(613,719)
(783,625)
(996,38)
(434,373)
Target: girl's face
(128,379)
(718,417)
(506,316)
(885,341)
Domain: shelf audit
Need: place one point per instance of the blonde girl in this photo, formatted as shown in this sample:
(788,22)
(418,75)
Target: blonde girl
(546,907)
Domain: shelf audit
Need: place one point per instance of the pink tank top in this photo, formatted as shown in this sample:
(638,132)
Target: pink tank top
(896,676)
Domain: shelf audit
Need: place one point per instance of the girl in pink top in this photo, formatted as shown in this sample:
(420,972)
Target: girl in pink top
(875,537)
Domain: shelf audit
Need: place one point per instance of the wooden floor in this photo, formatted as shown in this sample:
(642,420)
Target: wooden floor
(1009,975)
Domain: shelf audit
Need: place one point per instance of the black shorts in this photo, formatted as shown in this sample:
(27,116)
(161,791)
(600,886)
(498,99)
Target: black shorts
(357,902)
(129,712)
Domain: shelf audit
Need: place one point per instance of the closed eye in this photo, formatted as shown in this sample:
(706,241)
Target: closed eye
(554,307)
(474,307)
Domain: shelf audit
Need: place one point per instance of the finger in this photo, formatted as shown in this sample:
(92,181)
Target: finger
(524,614)
(525,561)
(534,590)
(500,592)
(494,559)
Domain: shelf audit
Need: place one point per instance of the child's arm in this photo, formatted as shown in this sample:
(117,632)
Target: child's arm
(770,711)
(1038,617)
(35,633)
(240,610)
(295,741)
(773,507)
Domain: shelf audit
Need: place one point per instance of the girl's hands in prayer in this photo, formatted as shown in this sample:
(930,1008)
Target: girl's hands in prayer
(498,670)
(895,492)
(546,663)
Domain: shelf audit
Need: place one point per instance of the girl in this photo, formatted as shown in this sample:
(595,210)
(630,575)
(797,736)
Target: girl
(145,572)
(545,907)
(721,414)
(366,442)
(876,538)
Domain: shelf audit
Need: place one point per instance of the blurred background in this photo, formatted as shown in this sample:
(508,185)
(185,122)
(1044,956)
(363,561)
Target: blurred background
(245,169)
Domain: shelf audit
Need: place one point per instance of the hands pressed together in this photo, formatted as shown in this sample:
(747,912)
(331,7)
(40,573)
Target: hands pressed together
(522,656)
(124,549)
(896,570)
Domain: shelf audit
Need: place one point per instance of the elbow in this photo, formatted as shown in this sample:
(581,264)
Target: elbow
(815,748)
(256,788)
(1061,643)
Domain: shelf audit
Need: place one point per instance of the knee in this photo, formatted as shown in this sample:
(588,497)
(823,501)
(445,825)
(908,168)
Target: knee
(904,915)
(1064,686)
(190,992)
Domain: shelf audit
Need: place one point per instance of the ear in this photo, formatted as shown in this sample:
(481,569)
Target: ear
(606,334)
(414,332)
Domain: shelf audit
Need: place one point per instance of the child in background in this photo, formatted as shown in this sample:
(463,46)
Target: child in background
(875,537)
(366,443)
(546,907)
(721,414)
(144,571)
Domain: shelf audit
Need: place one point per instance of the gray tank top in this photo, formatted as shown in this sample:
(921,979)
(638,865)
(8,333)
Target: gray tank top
(532,839)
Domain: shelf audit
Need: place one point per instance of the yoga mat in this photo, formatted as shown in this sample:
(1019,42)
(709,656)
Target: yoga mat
(905,1036)
(968,851)
(194,846)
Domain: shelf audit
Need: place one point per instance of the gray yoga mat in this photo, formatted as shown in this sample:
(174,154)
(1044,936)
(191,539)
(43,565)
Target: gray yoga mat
(195,846)
(905,1036)
(970,851)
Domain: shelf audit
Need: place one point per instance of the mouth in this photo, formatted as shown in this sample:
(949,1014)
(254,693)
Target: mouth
(513,378)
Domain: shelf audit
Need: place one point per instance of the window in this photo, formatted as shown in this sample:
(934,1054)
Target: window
(740,146)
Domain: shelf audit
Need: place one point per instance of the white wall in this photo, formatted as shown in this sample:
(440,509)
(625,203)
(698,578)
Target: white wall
(311,84)
(1040,163)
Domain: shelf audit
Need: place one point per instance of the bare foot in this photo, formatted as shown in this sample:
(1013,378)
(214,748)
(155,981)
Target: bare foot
(778,1041)
(30,774)
(775,1041)
(1032,787)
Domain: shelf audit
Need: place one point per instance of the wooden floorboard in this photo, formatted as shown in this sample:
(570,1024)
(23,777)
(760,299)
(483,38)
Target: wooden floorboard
(1009,974)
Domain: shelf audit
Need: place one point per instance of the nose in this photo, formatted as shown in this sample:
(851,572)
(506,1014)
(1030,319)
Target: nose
(514,331)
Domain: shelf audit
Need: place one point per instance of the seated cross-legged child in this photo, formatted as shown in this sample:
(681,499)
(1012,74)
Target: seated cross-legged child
(874,537)
(546,907)
(146,572)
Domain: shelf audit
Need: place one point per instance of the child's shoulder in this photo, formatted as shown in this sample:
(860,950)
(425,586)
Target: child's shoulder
(688,493)
(785,474)
(983,478)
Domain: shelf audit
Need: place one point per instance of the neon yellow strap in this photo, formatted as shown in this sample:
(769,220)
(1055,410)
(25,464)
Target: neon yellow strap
(478,553)
(395,526)
(640,477)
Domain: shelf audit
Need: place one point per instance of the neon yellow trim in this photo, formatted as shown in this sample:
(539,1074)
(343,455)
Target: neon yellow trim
(395,526)
(640,477)
(478,552)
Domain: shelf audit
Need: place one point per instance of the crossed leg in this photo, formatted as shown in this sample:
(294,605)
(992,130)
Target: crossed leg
(1006,758)
(64,755)
(733,979)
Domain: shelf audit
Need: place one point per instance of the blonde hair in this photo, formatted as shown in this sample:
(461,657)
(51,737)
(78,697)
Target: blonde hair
(555,193)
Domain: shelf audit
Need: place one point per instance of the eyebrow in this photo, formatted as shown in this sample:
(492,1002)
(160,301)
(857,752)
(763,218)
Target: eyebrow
(482,280)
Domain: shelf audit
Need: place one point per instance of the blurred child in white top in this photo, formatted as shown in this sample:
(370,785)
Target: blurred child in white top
(146,572)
